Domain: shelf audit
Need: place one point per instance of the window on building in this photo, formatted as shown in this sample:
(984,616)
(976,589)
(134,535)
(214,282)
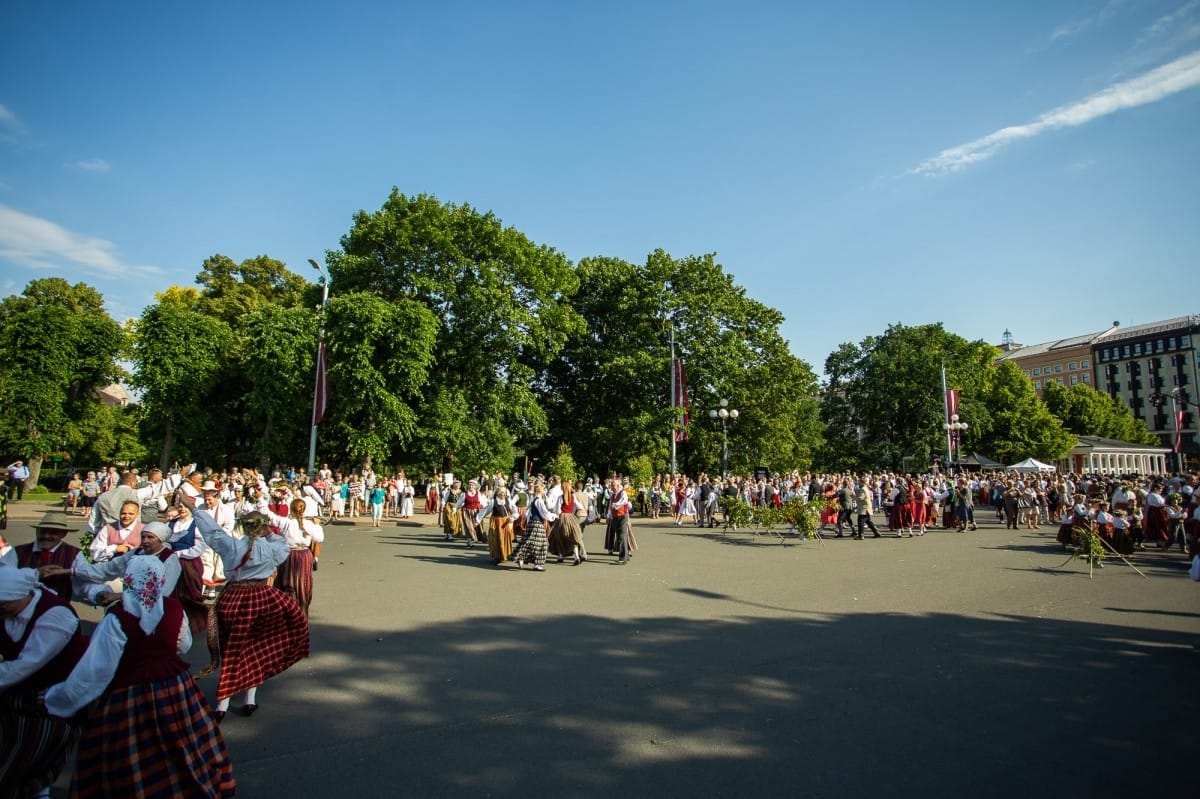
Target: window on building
(1058,380)
(1137,348)
(1071,366)
(1058,368)
(1087,379)
(1037,384)
(1171,343)
(1074,379)
(1037,371)
(1183,342)
(1125,349)
(1084,364)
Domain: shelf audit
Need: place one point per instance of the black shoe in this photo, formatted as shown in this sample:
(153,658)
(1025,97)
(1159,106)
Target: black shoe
(219,715)
(622,562)
(314,565)
(248,710)
(877,535)
(839,535)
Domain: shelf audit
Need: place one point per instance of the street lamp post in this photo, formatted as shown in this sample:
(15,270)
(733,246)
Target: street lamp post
(724,413)
(312,438)
(955,428)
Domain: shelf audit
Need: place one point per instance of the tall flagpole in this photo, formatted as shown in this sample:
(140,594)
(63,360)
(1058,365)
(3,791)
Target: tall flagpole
(674,414)
(946,414)
(312,436)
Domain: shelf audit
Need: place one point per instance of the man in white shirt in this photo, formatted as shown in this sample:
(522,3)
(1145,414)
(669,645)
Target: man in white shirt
(119,537)
(108,507)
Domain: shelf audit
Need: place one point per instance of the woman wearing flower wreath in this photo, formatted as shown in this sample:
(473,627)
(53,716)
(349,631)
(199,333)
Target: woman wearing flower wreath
(299,531)
(502,509)
(151,734)
(261,631)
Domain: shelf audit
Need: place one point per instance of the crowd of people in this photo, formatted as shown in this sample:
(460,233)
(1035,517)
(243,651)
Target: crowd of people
(157,546)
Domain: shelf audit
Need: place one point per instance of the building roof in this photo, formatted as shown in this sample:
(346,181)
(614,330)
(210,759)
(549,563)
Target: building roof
(1180,324)
(1086,340)
(114,395)
(1096,442)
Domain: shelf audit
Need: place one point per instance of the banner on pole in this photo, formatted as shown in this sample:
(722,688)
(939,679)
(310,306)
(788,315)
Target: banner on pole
(321,397)
(679,401)
(951,403)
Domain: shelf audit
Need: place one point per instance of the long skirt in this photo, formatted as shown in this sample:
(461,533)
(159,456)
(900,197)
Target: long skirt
(190,593)
(451,521)
(295,576)
(500,538)
(1155,523)
(610,537)
(153,739)
(262,632)
(919,511)
(533,548)
(33,744)
(565,536)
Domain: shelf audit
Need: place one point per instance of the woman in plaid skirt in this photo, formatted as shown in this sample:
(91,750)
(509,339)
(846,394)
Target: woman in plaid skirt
(533,547)
(151,734)
(261,630)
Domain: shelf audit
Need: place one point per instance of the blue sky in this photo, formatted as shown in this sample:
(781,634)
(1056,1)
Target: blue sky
(1033,166)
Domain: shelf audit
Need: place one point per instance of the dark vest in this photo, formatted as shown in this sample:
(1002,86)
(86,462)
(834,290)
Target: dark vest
(28,558)
(149,658)
(61,664)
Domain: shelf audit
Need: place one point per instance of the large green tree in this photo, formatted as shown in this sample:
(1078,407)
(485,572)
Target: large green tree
(609,389)
(180,354)
(1019,424)
(1088,412)
(58,345)
(502,306)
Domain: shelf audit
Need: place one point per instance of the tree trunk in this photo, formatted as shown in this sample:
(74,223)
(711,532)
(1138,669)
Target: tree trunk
(264,457)
(34,464)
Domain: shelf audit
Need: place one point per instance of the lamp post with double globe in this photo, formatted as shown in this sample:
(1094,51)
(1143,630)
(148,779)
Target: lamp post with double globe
(724,413)
(956,428)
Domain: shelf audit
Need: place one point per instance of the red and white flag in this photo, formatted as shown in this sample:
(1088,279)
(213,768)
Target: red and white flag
(1179,429)
(951,403)
(321,395)
(680,401)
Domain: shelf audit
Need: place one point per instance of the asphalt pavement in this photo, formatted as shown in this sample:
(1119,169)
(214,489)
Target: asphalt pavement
(727,665)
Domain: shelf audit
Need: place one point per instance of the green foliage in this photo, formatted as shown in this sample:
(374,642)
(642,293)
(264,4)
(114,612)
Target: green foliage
(563,464)
(501,308)
(58,346)
(640,470)
(231,291)
(735,512)
(1019,425)
(804,515)
(1087,412)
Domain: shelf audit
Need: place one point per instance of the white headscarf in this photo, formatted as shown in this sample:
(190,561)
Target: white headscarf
(17,583)
(142,594)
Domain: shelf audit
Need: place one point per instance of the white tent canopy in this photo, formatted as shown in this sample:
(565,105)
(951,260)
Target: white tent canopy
(1031,465)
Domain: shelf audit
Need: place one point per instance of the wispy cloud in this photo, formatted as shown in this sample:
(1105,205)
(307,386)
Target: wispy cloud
(41,244)
(10,127)
(1094,20)
(1179,75)
(90,165)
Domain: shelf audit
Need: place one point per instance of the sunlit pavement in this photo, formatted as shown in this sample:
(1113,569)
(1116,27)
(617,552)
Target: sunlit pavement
(727,665)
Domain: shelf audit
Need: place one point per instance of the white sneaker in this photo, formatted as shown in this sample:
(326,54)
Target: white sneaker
(539,568)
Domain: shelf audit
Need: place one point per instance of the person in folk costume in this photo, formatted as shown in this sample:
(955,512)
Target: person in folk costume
(451,516)
(469,503)
(566,536)
(902,507)
(49,549)
(619,528)
(1122,541)
(829,510)
(1155,518)
(190,549)
(312,523)
(918,508)
(501,509)
(224,514)
(260,630)
(1176,514)
(93,580)
(151,733)
(295,575)
(120,536)
(40,643)
(1102,519)
(407,491)
(585,507)
(533,547)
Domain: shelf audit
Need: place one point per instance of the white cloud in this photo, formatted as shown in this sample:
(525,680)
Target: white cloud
(1179,75)
(10,127)
(91,165)
(41,244)
(1076,27)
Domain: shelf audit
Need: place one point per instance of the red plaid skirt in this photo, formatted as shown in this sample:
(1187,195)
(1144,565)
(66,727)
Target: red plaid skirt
(153,739)
(262,633)
(190,593)
(296,577)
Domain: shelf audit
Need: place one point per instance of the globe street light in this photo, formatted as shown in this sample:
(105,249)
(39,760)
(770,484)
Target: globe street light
(955,428)
(724,413)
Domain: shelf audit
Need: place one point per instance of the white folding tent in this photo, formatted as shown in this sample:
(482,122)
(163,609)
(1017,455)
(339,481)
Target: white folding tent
(1031,465)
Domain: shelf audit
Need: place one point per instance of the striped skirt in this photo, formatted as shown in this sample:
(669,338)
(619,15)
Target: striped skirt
(295,576)
(33,745)
(153,739)
(262,632)
(533,548)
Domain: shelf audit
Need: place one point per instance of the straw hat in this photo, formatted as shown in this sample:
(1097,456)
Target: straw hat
(51,522)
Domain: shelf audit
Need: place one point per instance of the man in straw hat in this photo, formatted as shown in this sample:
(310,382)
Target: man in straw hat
(40,643)
(49,549)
